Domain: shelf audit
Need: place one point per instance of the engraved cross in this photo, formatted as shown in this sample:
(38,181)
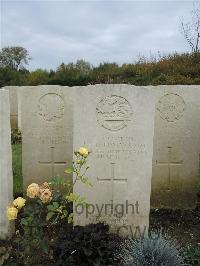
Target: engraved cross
(169,163)
(112,178)
(53,162)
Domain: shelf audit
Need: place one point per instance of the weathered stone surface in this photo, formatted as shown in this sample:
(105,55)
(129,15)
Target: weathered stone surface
(6,178)
(13,96)
(176,147)
(46,119)
(116,122)
(19,107)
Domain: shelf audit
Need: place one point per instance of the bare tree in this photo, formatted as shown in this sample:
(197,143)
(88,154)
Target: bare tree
(191,29)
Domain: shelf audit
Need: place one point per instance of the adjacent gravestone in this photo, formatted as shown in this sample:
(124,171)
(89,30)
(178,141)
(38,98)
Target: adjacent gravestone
(46,119)
(13,96)
(6,178)
(116,123)
(176,147)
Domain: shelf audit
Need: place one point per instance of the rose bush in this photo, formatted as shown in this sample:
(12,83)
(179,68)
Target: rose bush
(46,206)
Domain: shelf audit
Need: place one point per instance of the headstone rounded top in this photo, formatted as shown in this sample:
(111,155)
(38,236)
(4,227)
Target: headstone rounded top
(114,112)
(51,107)
(171,107)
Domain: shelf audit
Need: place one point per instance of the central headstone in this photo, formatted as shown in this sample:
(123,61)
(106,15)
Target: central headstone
(116,123)
(6,178)
(46,132)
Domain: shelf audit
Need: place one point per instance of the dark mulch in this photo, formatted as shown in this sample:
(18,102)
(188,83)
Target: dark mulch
(183,225)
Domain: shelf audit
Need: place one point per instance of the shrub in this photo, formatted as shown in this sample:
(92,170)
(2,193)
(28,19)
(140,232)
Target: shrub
(4,254)
(89,245)
(16,136)
(152,250)
(193,256)
(47,207)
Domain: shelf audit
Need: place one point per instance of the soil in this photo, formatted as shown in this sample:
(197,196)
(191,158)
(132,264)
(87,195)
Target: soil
(182,225)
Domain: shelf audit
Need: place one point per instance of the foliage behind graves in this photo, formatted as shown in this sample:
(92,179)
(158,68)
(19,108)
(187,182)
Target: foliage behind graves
(160,69)
(16,136)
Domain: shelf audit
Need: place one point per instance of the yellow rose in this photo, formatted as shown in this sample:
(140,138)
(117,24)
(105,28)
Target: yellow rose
(45,195)
(33,190)
(12,213)
(83,151)
(19,202)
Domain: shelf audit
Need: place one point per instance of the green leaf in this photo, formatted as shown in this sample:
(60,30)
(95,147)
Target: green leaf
(44,246)
(24,221)
(49,215)
(70,218)
(55,205)
(58,180)
(50,207)
(69,170)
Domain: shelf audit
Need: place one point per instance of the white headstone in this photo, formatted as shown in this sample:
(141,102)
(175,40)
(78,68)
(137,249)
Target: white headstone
(46,132)
(19,107)
(13,96)
(116,123)
(176,147)
(6,178)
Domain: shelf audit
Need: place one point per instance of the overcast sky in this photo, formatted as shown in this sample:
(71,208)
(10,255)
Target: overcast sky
(97,31)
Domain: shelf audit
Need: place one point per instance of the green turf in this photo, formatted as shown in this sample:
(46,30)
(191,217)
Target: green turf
(17,168)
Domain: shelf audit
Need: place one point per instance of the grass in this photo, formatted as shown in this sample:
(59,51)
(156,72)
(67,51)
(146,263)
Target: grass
(17,168)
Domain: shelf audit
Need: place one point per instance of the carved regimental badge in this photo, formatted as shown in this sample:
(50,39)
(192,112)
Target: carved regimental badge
(51,107)
(114,112)
(171,107)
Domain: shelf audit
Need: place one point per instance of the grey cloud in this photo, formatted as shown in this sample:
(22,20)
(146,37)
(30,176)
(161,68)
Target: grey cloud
(94,30)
